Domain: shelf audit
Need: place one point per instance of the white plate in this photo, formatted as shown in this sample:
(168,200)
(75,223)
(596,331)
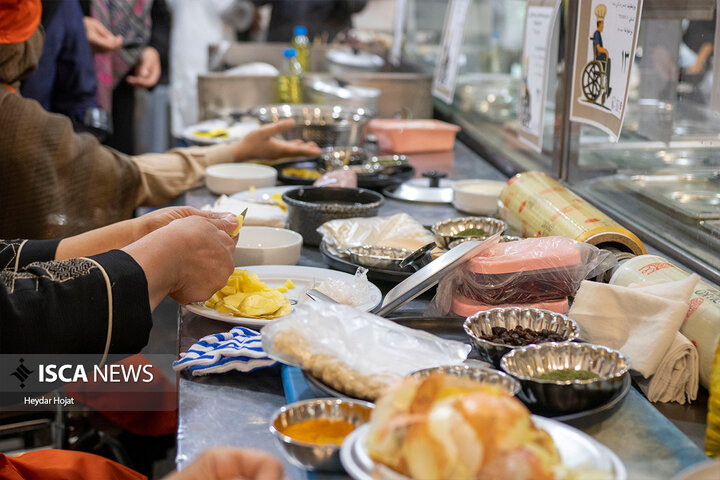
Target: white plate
(575,447)
(262,195)
(274,276)
(235,132)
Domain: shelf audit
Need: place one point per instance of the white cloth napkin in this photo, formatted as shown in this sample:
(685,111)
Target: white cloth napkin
(643,323)
(258,215)
(239,349)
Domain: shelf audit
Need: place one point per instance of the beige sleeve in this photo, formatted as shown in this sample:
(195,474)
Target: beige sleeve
(164,176)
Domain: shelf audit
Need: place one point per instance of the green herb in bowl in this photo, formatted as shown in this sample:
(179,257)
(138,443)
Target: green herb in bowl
(566,374)
(472,232)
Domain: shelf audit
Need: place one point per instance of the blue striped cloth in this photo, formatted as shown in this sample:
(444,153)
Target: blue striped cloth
(239,349)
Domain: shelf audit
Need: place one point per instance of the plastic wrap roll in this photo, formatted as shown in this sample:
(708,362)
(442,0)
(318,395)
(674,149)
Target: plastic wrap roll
(702,323)
(536,205)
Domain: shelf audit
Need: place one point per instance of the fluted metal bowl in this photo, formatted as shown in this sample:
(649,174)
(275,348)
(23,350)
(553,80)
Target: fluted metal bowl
(536,319)
(568,396)
(502,239)
(309,207)
(312,456)
(477,374)
(447,231)
(371,256)
(326,125)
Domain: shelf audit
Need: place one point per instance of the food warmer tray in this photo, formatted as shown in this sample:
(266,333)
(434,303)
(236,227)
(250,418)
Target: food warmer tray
(693,196)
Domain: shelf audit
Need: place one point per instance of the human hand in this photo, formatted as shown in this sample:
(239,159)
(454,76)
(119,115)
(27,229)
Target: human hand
(224,463)
(101,39)
(188,259)
(151,221)
(261,144)
(147,70)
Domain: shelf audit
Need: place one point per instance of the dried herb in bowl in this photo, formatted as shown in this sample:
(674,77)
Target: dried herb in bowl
(566,374)
(472,232)
(520,336)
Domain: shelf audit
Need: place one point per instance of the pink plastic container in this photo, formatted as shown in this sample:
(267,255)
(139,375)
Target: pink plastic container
(413,136)
(465,306)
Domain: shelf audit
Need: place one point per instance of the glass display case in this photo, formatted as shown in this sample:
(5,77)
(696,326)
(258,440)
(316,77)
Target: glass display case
(661,179)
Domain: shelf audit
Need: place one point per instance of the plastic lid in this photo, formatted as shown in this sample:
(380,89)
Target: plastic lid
(290,53)
(299,30)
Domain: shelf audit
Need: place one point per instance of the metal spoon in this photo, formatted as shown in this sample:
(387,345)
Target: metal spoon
(318,296)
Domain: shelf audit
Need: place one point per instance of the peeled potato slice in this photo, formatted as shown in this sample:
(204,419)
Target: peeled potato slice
(245,295)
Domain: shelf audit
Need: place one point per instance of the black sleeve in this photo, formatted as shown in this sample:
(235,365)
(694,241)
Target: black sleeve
(160,35)
(62,306)
(30,251)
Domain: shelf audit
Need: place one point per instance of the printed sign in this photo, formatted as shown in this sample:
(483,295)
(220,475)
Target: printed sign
(607,33)
(447,64)
(398,31)
(540,18)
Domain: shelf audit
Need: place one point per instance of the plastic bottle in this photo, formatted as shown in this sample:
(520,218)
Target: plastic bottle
(301,43)
(290,79)
(495,52)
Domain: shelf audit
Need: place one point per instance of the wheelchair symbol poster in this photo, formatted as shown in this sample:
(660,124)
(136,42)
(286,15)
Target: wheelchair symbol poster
(607,33)
(539,20)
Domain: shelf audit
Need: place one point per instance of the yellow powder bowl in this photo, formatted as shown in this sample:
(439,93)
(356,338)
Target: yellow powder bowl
(310,432)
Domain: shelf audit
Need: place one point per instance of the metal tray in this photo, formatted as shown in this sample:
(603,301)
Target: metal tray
(373,182)
(693,196)
(375,274)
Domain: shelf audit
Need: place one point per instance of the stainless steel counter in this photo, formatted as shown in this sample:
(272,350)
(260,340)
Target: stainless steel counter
(234,408)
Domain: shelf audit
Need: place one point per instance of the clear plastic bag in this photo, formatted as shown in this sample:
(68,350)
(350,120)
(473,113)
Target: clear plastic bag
(355,352)
(399,231)
(526,271)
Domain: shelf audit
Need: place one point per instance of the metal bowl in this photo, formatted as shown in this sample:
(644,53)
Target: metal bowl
(477,374)
(312,456)
(447,231)
(509,317)
(325,125)
(386,258)
(555,397)
(309,207)
(503,239)
(334,158)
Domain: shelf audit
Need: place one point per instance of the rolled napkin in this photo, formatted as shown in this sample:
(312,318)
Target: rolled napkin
(677,377)
(642,322)
(258,215)
(239,349)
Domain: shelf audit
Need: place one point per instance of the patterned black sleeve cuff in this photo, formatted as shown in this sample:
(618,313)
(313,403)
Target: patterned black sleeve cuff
(132,317)
(38,251)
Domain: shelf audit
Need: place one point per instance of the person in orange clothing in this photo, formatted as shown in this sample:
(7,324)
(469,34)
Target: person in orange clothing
(219,463)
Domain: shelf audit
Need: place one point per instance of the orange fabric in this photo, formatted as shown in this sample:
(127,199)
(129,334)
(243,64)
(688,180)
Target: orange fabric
(63,465)
(18,19)
(10,87)
(150,409)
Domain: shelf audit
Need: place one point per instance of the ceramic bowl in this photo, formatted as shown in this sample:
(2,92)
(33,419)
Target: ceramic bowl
(310,207)
(536,319)
(267,246)
(568,396)
(229,178)
(477,197)
(312,456)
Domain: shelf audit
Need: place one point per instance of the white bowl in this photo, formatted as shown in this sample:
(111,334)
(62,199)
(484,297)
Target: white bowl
(479,197)
(229,178)
(267,246)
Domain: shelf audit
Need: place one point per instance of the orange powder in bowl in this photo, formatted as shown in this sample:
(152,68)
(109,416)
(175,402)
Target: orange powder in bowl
(320,431)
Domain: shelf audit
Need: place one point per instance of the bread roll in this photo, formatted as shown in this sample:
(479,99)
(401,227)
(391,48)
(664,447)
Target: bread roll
(447,428)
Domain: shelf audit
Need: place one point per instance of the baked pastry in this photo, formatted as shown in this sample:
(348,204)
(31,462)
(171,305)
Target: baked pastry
(444,427)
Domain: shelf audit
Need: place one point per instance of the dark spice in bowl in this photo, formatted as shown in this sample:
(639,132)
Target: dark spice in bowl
(472,232)
(520,336)
(567,374)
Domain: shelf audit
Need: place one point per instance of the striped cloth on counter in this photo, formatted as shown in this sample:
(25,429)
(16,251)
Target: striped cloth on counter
(239,349)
